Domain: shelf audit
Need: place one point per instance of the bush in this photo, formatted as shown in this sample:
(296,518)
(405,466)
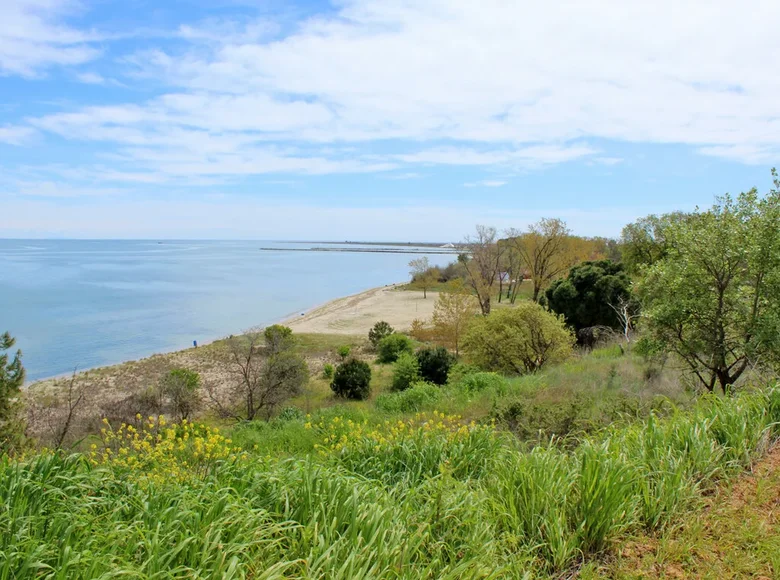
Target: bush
(344,351)
(414,399)
(391,347)
(179,388)
(405,372)
(352,380)
(435,364)
(518,340)
(290,414)
(478,382)
(327,371)
(278,338)
(380,330)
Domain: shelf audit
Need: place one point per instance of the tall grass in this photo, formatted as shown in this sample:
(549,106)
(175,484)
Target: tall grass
(448,500)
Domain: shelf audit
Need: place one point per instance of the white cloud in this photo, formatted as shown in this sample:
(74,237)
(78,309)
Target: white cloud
(16,135)
(485,183)
(32,38)
(58,189)
(90,78)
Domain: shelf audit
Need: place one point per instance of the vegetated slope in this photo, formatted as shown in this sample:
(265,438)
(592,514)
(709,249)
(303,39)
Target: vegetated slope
(736,534)
(423,496)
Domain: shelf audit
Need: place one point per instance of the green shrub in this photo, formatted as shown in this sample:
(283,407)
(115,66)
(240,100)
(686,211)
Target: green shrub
(352,380)
(435,364)
(179,388)
(419,397)
(482,381)
(391,347)
(327,371)
(290,414)
(518,340)
(379,331)
(406,371)
(278,338)
(344,351)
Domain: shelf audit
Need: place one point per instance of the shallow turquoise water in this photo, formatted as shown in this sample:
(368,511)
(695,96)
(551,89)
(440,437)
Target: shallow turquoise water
(76,303)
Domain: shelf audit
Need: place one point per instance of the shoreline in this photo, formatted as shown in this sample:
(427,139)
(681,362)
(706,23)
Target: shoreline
(289,319)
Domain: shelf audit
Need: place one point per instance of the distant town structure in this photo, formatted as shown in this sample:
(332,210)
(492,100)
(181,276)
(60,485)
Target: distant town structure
(447,246)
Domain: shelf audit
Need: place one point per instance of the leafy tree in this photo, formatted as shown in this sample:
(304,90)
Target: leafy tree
(518,340)
(453,311)
(352,380)
(545,251)
(180,388)
(423,276)
(380,330)
(714,298)
(406,371)
(391,347)
(11,380)
(262,378)
(278,338)
(644,242)
(585,297)
(435,364)
(482,264)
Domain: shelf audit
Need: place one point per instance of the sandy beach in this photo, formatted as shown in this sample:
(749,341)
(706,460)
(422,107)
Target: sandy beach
(109,391)
(356,314)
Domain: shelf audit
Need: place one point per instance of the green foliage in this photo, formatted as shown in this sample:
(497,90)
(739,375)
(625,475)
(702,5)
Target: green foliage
(424,497)
(290,414)
(278,338)
(645,241)
(179,388)
(343,351)
(327,371)
(11,381)
(393,346)
(714,299)
(481,381)
(585,295)
(379,331)
(435,364)
(352,380)
(518,340)
(406,371)
(420,396)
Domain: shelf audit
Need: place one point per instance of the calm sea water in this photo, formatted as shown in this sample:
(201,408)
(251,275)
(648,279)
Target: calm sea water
(76,303)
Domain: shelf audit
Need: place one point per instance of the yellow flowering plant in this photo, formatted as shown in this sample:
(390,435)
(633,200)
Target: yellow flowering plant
(153,450)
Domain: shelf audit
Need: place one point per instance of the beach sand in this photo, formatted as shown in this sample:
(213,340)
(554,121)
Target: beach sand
(107,390)
(355,315)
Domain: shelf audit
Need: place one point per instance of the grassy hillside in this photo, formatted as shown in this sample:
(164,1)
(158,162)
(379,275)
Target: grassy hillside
(484,478)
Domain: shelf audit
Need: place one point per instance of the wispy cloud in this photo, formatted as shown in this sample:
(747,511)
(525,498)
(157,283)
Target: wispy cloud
(485,183)
(16,135)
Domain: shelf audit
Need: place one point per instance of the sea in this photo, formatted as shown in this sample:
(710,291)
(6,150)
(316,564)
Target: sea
(81,304)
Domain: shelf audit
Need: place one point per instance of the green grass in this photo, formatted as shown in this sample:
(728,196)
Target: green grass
(355,493)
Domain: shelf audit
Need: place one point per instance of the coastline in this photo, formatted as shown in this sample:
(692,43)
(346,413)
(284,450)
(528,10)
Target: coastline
(299,322)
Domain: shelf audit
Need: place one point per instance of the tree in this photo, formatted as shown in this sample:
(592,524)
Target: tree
(585,296)
(627,311)
(262,377)
(453,311)
(482,264)
(714,298)
(352,380)
(434,364)
(518,340)
(380,330)
(179,387)
(393,346)
(423,276)
(644,242)
(278,339)
(11,381)
(406,371)
(545,251)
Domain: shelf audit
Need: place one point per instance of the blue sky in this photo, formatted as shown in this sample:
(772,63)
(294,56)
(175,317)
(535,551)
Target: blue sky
(394,119)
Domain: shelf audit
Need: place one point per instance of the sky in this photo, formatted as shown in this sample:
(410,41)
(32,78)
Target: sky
(377,119)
